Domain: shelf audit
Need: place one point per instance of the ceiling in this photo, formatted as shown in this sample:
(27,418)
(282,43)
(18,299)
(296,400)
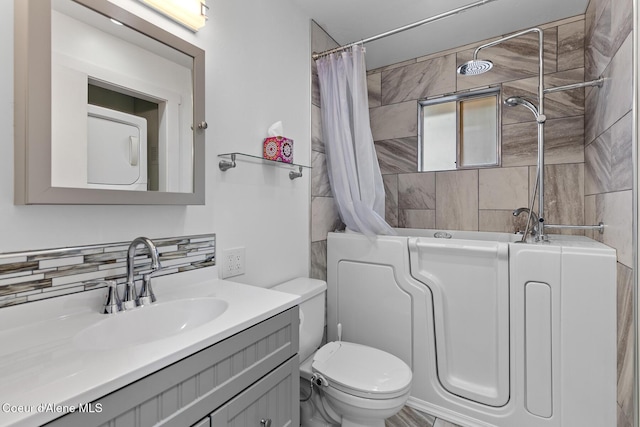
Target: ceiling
(352,20)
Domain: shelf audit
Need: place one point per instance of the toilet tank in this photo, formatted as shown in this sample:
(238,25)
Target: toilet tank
(312,311)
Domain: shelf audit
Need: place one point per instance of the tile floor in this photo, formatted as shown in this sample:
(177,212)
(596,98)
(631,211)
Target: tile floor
(409,417)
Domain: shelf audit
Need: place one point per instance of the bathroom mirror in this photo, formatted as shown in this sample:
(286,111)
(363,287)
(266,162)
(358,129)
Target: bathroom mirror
(109,108)
(460,131)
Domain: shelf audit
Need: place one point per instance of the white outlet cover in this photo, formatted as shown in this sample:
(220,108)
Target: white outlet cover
(233,262)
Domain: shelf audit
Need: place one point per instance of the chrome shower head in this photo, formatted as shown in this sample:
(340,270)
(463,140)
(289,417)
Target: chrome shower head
(475,67)
(516,100)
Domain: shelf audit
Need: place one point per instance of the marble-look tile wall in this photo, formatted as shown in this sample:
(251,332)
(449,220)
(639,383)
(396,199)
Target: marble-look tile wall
(35,275)
(483,199)
(608,180)
(324,213)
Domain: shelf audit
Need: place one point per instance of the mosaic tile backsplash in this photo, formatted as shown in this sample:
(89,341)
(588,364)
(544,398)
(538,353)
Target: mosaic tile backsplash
(35,275)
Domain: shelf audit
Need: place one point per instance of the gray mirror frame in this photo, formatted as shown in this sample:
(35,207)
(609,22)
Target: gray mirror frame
(32,111)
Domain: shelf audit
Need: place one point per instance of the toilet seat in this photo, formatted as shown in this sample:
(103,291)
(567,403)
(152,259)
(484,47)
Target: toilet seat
(362,371)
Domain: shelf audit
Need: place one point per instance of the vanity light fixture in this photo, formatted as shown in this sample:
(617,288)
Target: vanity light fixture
(190,13)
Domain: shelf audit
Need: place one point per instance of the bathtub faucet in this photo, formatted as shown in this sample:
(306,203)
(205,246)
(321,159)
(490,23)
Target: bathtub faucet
(534,229)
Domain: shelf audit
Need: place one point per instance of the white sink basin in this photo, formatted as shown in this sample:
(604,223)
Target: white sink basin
(149,323)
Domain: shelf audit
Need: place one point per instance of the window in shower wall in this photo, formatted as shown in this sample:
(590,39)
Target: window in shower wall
(459,131)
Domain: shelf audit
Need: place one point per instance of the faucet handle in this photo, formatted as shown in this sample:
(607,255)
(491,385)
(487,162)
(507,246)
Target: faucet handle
(112,302)
(146,292)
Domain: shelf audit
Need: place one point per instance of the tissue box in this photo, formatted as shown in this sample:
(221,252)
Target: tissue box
(278,148)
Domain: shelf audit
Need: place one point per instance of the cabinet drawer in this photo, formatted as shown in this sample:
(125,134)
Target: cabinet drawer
(273,398)
(187,391)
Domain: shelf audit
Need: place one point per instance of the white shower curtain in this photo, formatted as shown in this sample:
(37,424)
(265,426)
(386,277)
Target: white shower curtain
(354,174)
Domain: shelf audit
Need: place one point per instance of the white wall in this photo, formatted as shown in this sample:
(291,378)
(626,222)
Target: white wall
(258,68)
(261,68)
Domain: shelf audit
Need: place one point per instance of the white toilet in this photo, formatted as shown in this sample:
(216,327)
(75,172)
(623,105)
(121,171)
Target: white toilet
(354,385)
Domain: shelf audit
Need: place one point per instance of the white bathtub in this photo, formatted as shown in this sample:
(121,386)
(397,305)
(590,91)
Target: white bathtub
(497,333)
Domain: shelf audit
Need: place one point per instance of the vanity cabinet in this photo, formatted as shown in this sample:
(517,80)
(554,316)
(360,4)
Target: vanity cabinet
(265,404)
(240,381)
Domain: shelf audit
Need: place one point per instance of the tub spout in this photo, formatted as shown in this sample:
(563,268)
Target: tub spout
(534,217)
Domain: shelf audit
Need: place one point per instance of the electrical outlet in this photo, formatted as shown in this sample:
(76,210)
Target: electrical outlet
(232,262)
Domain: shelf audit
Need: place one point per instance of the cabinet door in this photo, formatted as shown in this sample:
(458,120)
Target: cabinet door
(273,401)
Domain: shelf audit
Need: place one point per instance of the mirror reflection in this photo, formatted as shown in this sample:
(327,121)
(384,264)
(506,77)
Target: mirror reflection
(121,105)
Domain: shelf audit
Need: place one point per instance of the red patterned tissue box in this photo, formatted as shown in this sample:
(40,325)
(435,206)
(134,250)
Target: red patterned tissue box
(278,148)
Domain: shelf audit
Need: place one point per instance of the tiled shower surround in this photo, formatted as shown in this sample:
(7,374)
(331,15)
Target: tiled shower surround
(608,163)
(324,213)
(483,199)
(34,275)
(470,199)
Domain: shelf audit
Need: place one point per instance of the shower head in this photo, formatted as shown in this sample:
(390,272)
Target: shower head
(475,67)
(516,100)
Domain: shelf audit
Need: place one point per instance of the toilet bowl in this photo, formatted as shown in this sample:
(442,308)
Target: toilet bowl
(353,385)
(358,412)
(362,385)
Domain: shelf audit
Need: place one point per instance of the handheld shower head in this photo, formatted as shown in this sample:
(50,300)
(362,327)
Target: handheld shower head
(516,100)
(475,67)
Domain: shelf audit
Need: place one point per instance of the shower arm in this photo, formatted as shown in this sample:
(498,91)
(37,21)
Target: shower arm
(541,90)
(540,161)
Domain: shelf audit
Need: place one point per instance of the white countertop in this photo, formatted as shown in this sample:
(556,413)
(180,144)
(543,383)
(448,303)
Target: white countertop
(39,364)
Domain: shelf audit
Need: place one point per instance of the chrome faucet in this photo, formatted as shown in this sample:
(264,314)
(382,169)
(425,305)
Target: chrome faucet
(112,303)
(130,299)
(533,230)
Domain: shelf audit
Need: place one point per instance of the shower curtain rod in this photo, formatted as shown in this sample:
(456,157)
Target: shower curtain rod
(401,29)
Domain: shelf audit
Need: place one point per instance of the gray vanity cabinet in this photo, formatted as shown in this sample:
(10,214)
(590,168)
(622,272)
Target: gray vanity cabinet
(247,378)
(267,403)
